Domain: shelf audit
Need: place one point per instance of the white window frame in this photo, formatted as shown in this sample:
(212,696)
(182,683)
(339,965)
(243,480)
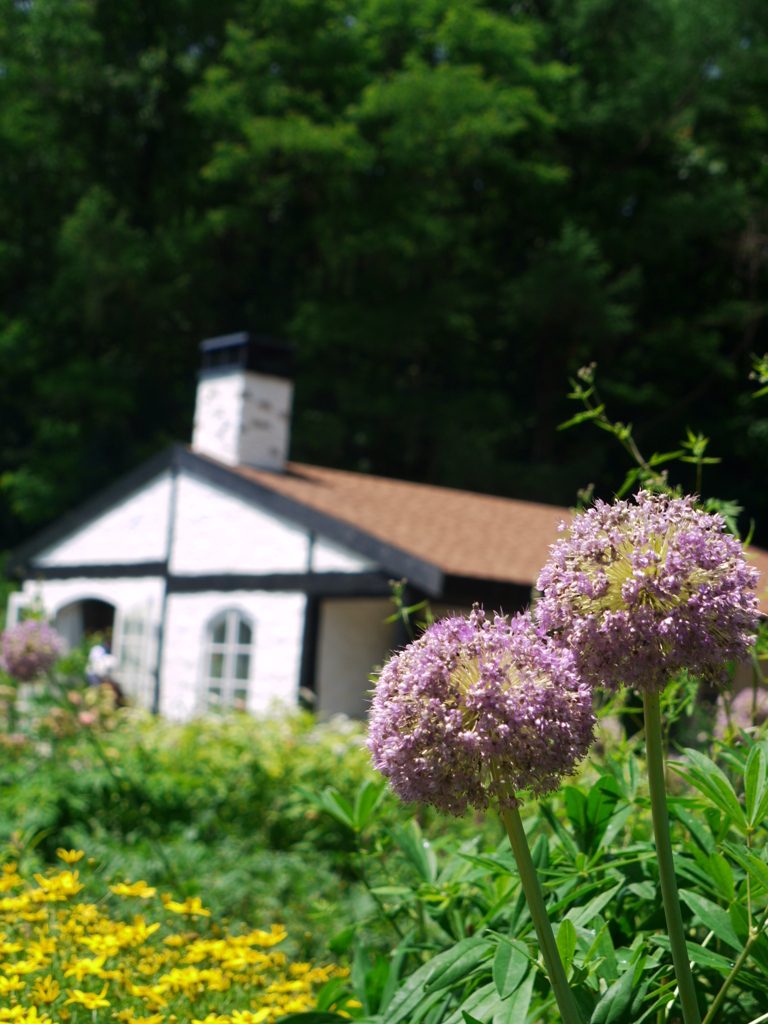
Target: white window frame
(133,644)
(228,692)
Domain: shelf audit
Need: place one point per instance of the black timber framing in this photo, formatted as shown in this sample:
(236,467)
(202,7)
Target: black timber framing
(317,584)
(323,584)
(394,561)
(96,572)
(307,672)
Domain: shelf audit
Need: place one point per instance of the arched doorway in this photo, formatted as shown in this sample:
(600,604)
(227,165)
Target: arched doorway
(84,618)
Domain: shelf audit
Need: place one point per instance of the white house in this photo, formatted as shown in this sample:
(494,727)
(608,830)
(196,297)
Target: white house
(231,577)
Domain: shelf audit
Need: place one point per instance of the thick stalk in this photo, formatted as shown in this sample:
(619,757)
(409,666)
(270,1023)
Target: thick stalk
(669,895)
(547,944)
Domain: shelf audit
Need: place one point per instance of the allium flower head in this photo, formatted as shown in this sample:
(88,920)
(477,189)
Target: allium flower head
(641,590)
(475,709)
(29,649)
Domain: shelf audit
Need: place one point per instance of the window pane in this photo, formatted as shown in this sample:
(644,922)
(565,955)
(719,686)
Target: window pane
(217,666)
(218,632)
(244,634)
(238,702)
(214,697)
(242,666)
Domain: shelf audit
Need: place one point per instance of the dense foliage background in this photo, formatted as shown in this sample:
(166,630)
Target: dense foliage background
(448,205)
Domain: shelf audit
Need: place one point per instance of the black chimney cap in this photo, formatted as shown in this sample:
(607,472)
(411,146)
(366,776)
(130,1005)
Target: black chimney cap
(249,352)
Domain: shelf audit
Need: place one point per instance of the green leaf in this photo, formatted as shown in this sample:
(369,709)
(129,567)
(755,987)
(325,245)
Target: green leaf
(566,943)
(754,783)
(482,1004)
(722,873)
(341,942)
(469,1019)
(582,417)
(615,824)
(699,954)
(330,993)
(705,775)
(477,950)
(338,807)
(700,835)
(514,1009)
(749,861)
(418,850)
(759,949)
(713,917)
(584,915)
(395,966)
(509,968)
(413,990)
(613,1006)
(367,801)
(645,890)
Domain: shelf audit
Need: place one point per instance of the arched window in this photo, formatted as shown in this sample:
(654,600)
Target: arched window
(228,661)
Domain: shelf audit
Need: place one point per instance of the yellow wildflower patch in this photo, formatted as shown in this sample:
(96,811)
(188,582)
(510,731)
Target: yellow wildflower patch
(59,957)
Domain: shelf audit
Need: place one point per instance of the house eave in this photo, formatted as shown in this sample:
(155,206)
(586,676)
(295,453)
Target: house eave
(393,561)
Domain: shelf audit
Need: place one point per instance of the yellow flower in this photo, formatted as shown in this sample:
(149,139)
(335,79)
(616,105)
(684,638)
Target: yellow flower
(16,1013)
(271,938)
(247,1017)
(213,1018)
(90,1000)
(191,905)
(24,966)
(80,968)
(137,889)
(46,990)
(61,886)
(12,984)
(32,1017)
(69,856)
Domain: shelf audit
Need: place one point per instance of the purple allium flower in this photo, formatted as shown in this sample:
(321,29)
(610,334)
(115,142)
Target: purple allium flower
(642,590)
(474,710)
(29,649)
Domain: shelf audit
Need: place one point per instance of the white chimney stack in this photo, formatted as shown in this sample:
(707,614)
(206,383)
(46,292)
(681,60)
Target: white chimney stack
(244,400)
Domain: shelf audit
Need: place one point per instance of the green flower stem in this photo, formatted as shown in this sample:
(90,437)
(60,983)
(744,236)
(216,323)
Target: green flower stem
(674,918)
(755,934)
(547,944)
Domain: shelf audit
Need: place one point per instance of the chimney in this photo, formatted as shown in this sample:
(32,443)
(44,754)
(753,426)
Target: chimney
(244,399)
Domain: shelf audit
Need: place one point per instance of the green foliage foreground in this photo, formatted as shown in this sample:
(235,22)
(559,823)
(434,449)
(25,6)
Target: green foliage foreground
(280,820)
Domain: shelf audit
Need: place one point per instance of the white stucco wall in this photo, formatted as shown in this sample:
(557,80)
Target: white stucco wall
(330,557)
(124,594)
(278,625)
(218,532)
(353,638)
(133,530)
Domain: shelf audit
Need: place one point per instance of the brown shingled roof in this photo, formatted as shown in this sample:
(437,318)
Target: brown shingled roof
(460,532)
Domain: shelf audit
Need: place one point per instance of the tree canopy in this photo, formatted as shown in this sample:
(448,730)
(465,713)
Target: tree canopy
(448,205)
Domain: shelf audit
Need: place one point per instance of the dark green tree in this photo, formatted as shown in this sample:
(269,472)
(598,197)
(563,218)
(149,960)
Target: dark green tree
(448,205)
